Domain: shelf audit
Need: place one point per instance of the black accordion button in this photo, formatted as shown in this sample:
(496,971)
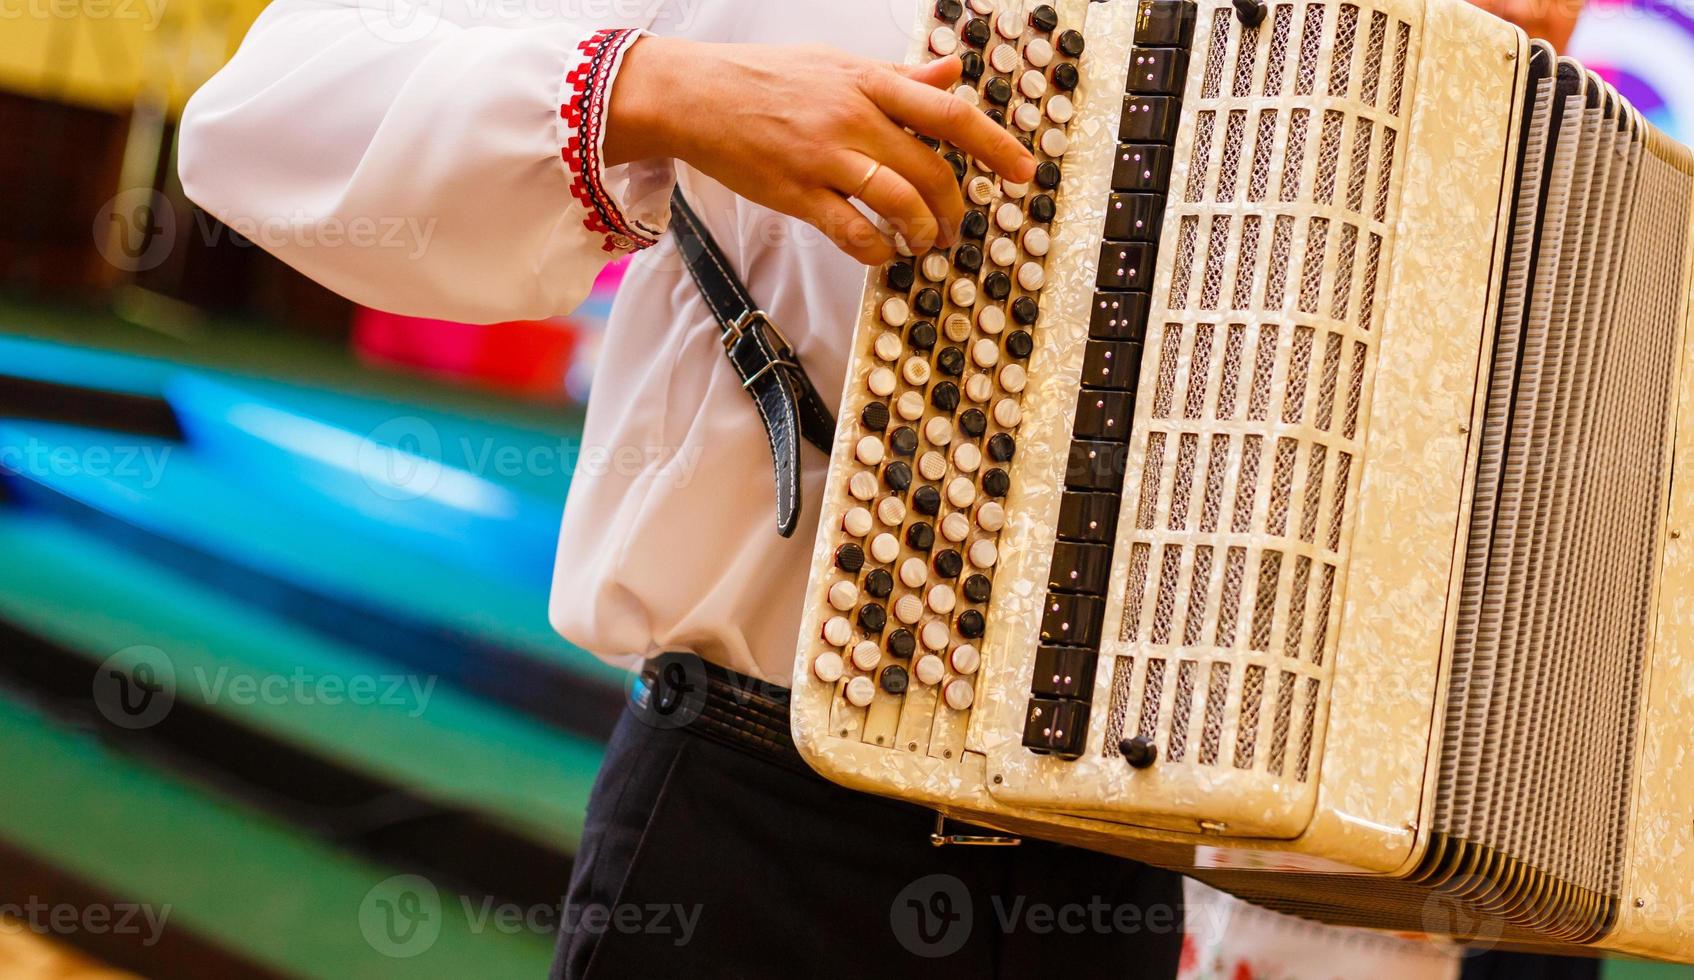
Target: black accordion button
(1047,175)
(920,536)
(1073,620)
(1149,119)
(1066,77)
(1042,209)
(996,483)
(945,396)
(1096,466)
(951,362)
(926,500)
(921,335)
(977,588)
(1072,44)
(1165,23)
(948,564)
(903,441)
(1088,517)
(1001,447)
(1044,18)
(1134,217)
(1020,344)
(1125,265)
(968,258)
(974,225)
(879,584)
(1158,71)
(949,10)
(1142,167)
(901,643)
(850,558)
(974,422)
(898,476)
(1055,727)
(927,302)
(930,142)
(997,285)
(901,277)
(873,617)
(970,624)
(875,416)
(1025,310)
(1104,415)
(973,65)
(1081,568)
(976,32)
(1114,365)
(957,161)
(1064,672)
(997,90)
(894,678)
(1119,316)
(995,116)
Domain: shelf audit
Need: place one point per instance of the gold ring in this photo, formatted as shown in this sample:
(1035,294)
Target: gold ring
(869,176)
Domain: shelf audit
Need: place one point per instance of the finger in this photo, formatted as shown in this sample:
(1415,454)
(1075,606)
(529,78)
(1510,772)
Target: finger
(945,116)
(926,171)
(891,195)
(942,73)
(843,224)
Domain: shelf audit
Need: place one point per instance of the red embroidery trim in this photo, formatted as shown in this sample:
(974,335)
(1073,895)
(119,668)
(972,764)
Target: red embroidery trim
(584,112)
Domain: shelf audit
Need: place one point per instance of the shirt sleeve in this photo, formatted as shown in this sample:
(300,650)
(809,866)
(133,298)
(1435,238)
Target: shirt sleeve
(440,159)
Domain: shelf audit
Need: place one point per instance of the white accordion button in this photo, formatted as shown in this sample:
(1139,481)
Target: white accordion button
(1033,85)
(866,655)
(1060,109)
(1007,413)
(838,631)
(881,382)
(1030,276)
(985,352)
(961,492)
(979,388)
(914,572)
(908,609)
(862,485)
(955,527)
(957,325)
(932,465)
(1036,241)
(916,371)
(965,659)
(983,553)
(888,346)
(970,95)
(869,450)
(967,458)
(935,266)
(980,190)
(992,319)
(982,6)
(891,511)
(910,406)
(938,430)
(963,293)
(828,667)
(895,312)
(1038,52)
(842,595)
(1009,24)
(861,691)
(1003,251)
(943,41)
(1027,116)
(1004,58)
(942,599)
(959,694)
(1013,378)
(856,522)
(1014,189)
(1009,217)
(1054,142)
(885,548)
(991,516)
(934,634)
(929,669)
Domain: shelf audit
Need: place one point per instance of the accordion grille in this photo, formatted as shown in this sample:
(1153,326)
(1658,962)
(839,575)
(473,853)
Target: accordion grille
(1258,367)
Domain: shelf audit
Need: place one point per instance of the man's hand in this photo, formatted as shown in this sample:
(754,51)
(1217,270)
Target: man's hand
(798,128)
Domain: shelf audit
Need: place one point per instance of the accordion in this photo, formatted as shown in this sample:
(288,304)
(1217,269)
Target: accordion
(1281,487)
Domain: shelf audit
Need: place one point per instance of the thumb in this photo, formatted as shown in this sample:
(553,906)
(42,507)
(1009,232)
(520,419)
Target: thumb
(942,73)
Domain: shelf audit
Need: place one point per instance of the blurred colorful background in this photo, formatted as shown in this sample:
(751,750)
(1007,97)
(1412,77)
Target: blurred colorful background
(278,696)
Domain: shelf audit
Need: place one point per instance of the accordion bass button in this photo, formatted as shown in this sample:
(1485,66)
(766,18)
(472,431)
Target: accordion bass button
(1071,44)
(856,522)
(984,554)
(965,658)
(1065,76)
(842,595)
(908,609)
(866,655)
(885,548)
(1044,18)
(943,41)
(890,511)
(959,694)
(955,527)
(978,588)
(881,382)
(933,465)
(1038,52)
(991,516)
(828,667)
(838,631)
(894,679)
(1009,24)
(862,485)
(934,634)
(942,600)
(1061,109)
(929,670)
(1001,447)
(914,572)
(1055,143)
(861,691)
(977,32)
(1026,117)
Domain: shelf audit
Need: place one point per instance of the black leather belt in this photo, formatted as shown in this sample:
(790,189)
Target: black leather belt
(763,358)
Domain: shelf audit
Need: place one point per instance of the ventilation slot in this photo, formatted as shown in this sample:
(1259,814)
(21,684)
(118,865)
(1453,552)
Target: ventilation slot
(1182,488)
(1199,584)
(1247,263)
(1311,39)
(1217,249)
(1346,31)
(1200,165)
(1152,695)
(1217,692)
(1252,698)
(1370,79)
(1276,63)
(1170,358)
(1199,372)
(1234,141)
(1297,607)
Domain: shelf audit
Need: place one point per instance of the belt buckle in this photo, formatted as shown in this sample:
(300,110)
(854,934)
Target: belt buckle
(748,321)
(940,838)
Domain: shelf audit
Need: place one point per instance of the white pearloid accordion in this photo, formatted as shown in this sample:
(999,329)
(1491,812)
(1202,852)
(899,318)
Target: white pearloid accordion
(1282,486)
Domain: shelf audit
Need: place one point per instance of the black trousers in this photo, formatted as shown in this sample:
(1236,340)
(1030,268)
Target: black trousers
(702,860)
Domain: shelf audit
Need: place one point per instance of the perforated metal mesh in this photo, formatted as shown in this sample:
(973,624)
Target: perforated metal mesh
(1268,329)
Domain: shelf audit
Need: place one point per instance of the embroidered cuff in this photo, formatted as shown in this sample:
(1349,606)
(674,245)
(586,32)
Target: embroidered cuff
(628,205)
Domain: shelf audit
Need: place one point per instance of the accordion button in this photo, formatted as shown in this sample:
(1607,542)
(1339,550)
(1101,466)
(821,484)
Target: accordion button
(963,293)
(856,522)
(966,659)
(933,465)
(885,548)
(909,406)
(959,694)
(1026,117)
(979,389)
(1003,251)
(891,511)
(970,624)
(983,553)
(984,7)
(961,493)
(998,285)
(862,485)
(866,655)
(943,41)
(1001,447)
(1072,44)
(977,33)
(955,527)
(1044,18)
(861,691)
(1013,378)
(935,267)
(1047,175)
(958,325)
(973,65)
(837,631)
(904,440)
(888,346)
(893,679)
(942,600)
(843,595)
(977,588)
(828,667)
(929,669)
(992,319)
(908,609)
(951,362)
(1043,209)
(1066,77)
(898,476)
(920,536)
(895,312)
(881,382)
(1038,52)
(869,450)
(850,558)
(900,277)
(997,90)
(1158,71)
(915,371)
(1033,85)
(968,259)
(928,301)
(1007,413)
(900,641)
(980,190)
(1009,217)
(1140,751)
(1055,143)
(872,617)
(1009,24)
(985,352)
(875,416)
(1037,242)
(967,457)
(914,572)
(1061,109)
(948,564)
(921,336)
(1019,343)
(991,516)
(926,500)
(949,10)
(974,225)
(934,634)
(878,583)
(1031,277)
(1165,23)
(945,396)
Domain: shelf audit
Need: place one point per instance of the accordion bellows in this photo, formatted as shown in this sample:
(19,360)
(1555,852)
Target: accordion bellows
(1336,553)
